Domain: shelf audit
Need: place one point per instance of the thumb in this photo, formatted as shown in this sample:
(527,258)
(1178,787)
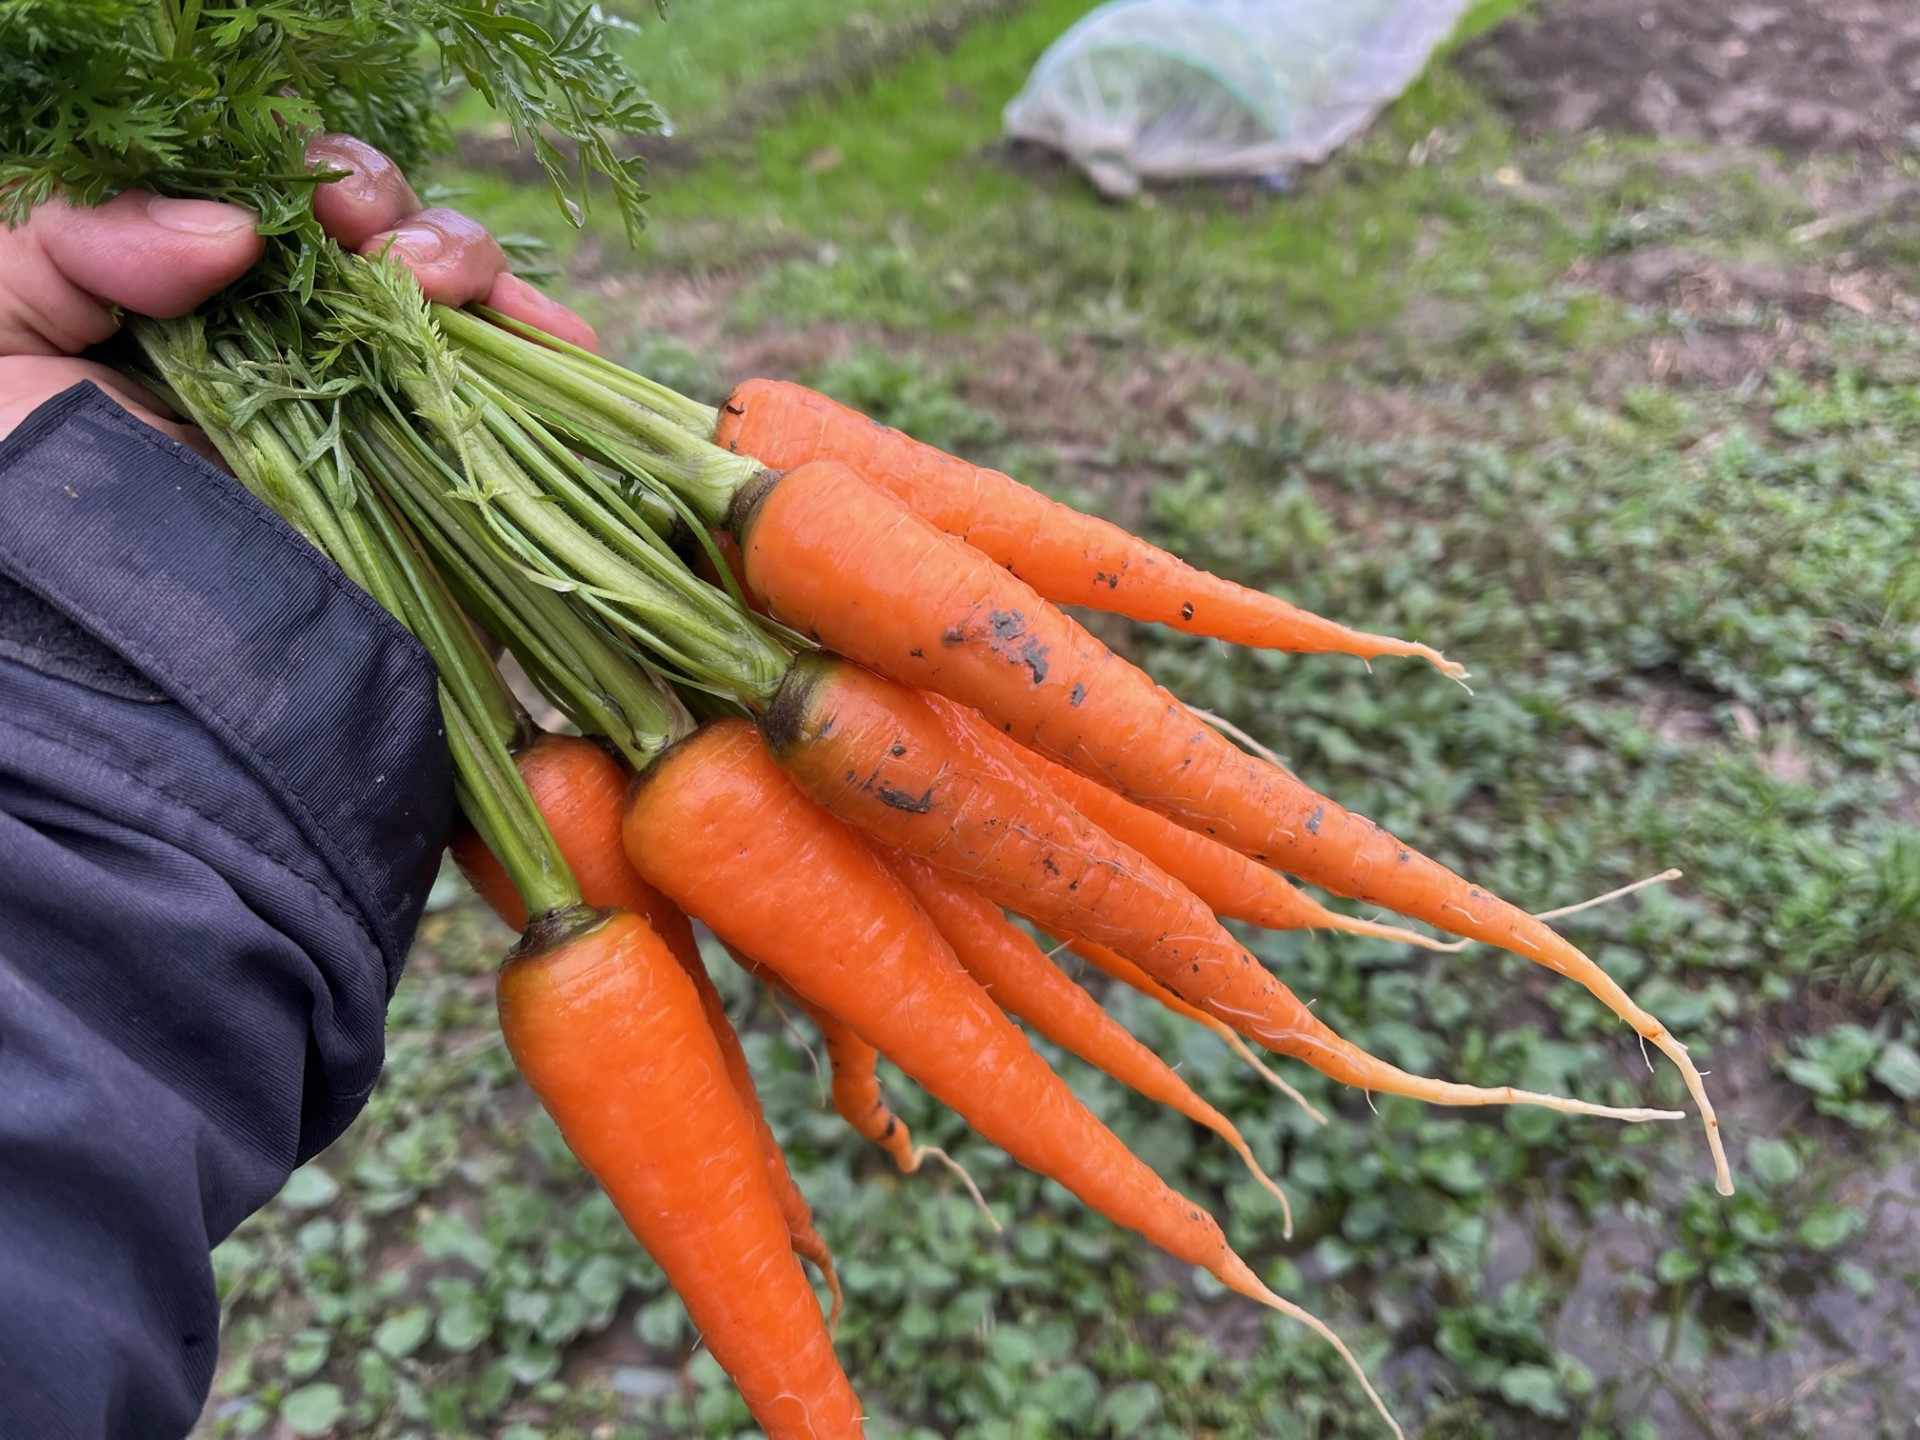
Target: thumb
(153,255)
(149,254)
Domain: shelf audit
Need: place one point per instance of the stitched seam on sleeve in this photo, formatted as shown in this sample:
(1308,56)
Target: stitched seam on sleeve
(322,881)
(231,495)
(225,488)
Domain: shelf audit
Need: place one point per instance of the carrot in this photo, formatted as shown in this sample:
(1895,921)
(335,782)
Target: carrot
(877,755)
(1071,558)
(581,792)
(1117,967)
(848,564)
(855,1067)
(1232,886)
(609,1031)
(1028,986)
(1227,882)
(718,828)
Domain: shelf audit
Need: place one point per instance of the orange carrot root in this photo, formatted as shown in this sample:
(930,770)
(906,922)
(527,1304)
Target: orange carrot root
(581,791)
(976,634)
(1069,557)
(609,1031)
(1117,967)
(717,826)
(1028,985)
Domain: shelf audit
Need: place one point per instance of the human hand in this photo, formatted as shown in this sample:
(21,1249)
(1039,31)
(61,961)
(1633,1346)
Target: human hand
(67,271)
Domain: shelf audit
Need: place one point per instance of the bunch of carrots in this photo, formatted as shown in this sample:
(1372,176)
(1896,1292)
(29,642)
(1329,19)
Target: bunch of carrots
(827,700)
(831,708)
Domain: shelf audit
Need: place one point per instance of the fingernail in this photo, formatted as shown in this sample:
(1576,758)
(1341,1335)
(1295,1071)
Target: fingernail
(519,292)
(421,243)
(199,217)
(354,184)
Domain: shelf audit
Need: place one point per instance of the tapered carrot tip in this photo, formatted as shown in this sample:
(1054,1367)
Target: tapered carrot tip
(1236,1276)
(1446,1092)
(1452,669)
(823,1262)
(1273,1189)
(1669,1046)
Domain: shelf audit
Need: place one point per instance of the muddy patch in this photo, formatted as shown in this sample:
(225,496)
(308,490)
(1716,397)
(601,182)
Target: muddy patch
(1803,75)
(1829,1360)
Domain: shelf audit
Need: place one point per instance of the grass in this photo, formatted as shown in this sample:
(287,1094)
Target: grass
(930,232)
(1421,397)
(705,58)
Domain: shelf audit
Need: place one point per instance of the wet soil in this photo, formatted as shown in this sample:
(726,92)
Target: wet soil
(1833,1363)
(1798,75)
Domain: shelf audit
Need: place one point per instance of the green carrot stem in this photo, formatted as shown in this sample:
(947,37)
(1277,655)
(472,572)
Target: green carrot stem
(587,409)
(689,415)
(692,629)
(561,474)
(496,802)
(398,575)
(609,512)
(376,554)
(577,667)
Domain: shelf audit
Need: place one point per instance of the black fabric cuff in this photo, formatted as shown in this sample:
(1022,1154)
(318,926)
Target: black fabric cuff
(319,694)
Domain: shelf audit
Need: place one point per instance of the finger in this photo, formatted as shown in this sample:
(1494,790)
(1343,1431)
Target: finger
(369,199)
(63,271)
(514,297)
(454,258)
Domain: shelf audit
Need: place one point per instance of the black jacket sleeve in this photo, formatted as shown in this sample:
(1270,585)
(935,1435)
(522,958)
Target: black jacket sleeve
(223,794)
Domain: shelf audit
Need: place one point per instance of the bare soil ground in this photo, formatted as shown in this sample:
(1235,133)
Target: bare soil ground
(1802,75)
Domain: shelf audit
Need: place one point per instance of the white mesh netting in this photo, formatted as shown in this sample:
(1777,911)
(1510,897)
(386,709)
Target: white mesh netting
(1168,89)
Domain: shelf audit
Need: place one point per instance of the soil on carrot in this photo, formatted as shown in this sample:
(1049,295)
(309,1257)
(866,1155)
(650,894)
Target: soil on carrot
(1800,75)
(1624,414)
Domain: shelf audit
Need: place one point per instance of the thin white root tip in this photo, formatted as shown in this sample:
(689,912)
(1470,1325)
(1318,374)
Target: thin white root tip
(1444,1092)
(1261,1068)
(1569,1106)
(1662,878)
(922,1152)
(1452,669)
(793,1032)
(1439,947)
(1697,1088)
(1325,1332)
(1454,947)
(1246,742)
(1272,1185)
(1395,934)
